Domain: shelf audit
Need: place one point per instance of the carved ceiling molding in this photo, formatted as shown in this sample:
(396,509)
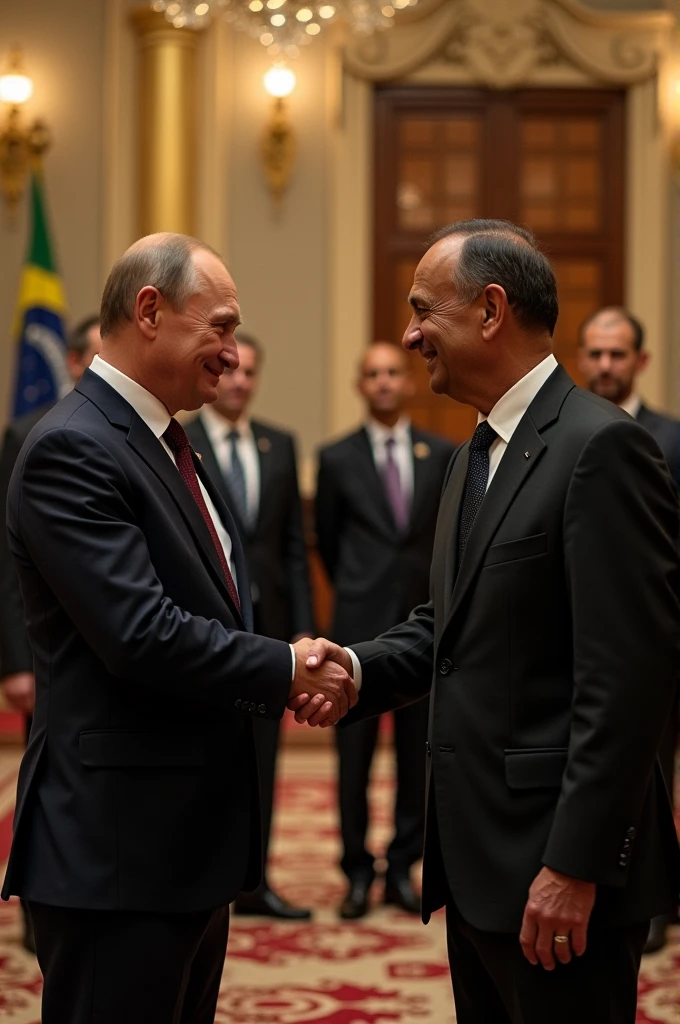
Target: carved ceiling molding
(503,44)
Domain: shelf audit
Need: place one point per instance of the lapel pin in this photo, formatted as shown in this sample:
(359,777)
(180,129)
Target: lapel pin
(421,450)
(264,444)
(527,455)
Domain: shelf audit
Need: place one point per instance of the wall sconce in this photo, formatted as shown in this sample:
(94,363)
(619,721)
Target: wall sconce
(278,141)
(19,147)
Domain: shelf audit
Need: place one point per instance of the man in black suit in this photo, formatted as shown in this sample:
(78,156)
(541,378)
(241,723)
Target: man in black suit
(16,657)
(375,535)
(253,466)
(549,646)
(137,818)
(611,356)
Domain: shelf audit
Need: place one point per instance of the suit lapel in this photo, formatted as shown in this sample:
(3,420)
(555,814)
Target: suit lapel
(421,457)
(148,447)
(266,462)
(523,453)
(198,434)
(376,499)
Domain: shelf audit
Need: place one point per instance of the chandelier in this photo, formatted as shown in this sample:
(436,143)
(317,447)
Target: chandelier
(284,26)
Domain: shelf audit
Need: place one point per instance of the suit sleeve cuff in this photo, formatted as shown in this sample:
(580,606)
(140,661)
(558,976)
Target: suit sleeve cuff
(292,652)
(356,668)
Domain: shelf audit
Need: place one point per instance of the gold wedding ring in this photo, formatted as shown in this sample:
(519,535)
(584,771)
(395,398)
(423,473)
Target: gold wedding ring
(561,938)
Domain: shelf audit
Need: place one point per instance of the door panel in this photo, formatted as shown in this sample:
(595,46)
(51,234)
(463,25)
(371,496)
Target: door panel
(550,159)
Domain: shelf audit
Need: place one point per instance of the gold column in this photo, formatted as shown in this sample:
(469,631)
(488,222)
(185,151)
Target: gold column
(167,124)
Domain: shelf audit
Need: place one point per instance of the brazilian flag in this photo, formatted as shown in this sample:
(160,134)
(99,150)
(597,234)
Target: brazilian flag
(42,374)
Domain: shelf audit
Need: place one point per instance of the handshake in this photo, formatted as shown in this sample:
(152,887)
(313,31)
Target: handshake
(323,689)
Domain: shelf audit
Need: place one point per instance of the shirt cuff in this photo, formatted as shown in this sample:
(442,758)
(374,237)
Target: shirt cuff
(292,651)
(356,668)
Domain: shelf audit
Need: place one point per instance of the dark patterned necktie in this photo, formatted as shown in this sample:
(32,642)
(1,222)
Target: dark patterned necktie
(393,487)
(237,478)
(476,481)
(178,443)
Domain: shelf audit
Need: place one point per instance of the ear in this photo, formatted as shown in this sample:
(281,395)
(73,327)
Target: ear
(643,358)
(495,308)
(74,365)
(148,304)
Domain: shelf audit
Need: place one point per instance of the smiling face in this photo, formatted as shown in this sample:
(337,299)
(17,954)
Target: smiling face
(238,385)
(444,329)
(194,346)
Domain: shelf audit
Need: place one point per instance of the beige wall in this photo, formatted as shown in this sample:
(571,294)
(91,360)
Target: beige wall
(64,46)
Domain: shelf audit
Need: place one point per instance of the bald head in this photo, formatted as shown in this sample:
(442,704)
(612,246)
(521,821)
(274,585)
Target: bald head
(164,261)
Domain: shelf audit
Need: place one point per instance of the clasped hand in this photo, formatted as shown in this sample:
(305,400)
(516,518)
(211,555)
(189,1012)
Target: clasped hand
(323,690)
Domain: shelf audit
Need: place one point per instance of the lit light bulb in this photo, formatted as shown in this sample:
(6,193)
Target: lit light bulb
(313,29)
(15,88)
(388,11)
(201,9)
(278,20)
(327,11)
(174,9)
(304,14)
(279,81)
(255,6)
(266,39)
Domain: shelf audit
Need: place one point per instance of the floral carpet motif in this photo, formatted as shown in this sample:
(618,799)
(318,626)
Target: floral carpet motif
(385,969)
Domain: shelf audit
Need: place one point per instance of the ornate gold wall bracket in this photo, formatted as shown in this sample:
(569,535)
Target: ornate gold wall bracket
(21,147)
(278,149)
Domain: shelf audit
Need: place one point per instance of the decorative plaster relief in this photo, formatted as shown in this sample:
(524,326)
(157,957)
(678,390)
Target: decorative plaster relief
(502,43)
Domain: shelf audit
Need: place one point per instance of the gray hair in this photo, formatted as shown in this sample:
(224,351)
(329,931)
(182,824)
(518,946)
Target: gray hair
(163,261)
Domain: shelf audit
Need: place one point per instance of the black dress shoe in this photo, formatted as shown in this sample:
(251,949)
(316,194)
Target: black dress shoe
(399,893)
(355,903)
(656,939)
(267,903)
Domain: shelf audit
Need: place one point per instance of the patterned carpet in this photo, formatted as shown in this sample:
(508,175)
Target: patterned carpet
(386,968)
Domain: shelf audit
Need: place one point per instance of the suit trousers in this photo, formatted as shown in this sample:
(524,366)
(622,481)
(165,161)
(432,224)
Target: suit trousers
(356,747)
(110,967)
(493,982)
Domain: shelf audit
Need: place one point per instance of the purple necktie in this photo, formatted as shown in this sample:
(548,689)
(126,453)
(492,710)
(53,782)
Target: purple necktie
(395,492)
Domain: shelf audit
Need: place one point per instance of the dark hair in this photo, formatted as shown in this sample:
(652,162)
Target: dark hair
(165,262)
(78,340)
(500,252)
(621,314)
(243,338)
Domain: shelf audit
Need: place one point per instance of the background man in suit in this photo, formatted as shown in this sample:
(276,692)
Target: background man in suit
(551,642)
(137,818)
(376,510)
(253,465)
(611,357)
(16,657)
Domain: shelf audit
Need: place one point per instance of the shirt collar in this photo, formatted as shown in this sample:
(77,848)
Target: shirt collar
(147,406)
(217,426)
(509,410)
(632,404)
(378,433)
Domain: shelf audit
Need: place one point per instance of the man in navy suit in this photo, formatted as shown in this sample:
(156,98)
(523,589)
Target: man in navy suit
(138,817)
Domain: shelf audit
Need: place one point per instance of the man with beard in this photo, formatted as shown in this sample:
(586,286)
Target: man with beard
(611,356)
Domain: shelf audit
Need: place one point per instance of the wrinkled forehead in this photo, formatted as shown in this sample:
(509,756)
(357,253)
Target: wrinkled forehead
(435,271)
(214,281)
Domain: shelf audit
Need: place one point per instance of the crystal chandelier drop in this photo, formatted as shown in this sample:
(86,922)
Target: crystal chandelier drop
(284,26)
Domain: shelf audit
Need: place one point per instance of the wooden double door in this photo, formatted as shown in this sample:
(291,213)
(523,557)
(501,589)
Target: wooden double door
(552,160)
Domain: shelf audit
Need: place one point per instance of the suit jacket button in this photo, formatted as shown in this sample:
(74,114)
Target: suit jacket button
(262,708)
(445,666)
(428,748)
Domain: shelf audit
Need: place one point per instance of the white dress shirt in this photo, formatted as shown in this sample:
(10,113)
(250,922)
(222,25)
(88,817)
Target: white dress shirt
(378,435)
(217,428)
(504,418)
(632,404)
(157,418)
(509,410)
